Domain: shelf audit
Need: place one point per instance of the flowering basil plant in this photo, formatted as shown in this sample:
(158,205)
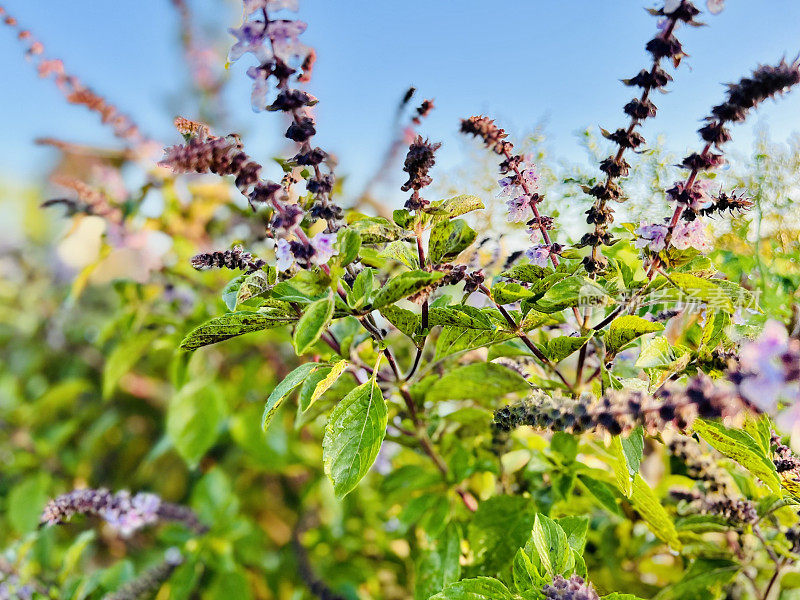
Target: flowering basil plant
(562,423)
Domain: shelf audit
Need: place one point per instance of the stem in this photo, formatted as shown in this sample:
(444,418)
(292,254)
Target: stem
(526,340)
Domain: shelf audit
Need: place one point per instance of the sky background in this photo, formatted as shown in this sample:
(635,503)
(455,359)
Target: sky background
(522,62)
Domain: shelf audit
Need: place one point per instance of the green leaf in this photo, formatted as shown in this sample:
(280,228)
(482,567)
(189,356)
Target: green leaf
(358,295)
(348,242)
(500,526)
(353,437)
(714,330)
(123,358)
(561,347)
(231,291)
(376,230)
(623,330)
(576,529)
(404,320)
(686,287)
(25,502)
(231,325)
(703,580)
(645,502)
(254,285)
(404,285)
(436,568)
(315,320)
(318,383)
(479,381)
(480,588)
(742,448)
(602,492)
(505,292)
(194,417)
(459,316)
(527,273)
(460,339)
(548,547)
(448,239)
(457,206)
(402,252)
(633,449)
(285,387)
(571,291)
(525,575)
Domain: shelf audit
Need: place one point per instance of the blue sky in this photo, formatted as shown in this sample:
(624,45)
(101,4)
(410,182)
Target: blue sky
(520,62)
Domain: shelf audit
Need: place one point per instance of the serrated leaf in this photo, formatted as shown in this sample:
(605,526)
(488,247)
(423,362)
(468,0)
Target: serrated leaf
(284,388)
(448,239)
(602,492)
(561,347)
(548,547)
(645,502)
(480,588)
(406,321)
(232,325)
(348,243)
(402,252)
(253,285)
(501,525)
(231,291)
(527,273)
(460,339)
(315,320)
(404,285)
(318,383)
(486,382)
(623,330)
(376,230)
(457,205)
(353,437)
(742,448)
(505,292)
(525,575)
(459,316)
(572,291)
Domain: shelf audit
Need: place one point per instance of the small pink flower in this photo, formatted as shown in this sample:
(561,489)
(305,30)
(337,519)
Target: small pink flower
(691,234)
(283,252)
(519,209)
(250,37)
(715,6)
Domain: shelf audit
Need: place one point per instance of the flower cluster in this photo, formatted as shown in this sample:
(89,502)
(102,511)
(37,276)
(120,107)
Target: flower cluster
(736,511)
(234,259)
(419,161)
(691,195)
(318,251)
(700,466)
(126,514)
(574,588)
(768,375)
(619,411)
(150,580)
(785,460)
(275,44)
(687,234)
(663,45)
(520,186)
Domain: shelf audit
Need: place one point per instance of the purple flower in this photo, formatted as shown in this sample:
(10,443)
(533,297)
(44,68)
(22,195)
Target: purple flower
(761,363)
(285,38)
(539,255)
(691,234)
(283,252)
(258,96)
(322,243)
(653,237)
(519,209)
(715,6)
(250,37)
